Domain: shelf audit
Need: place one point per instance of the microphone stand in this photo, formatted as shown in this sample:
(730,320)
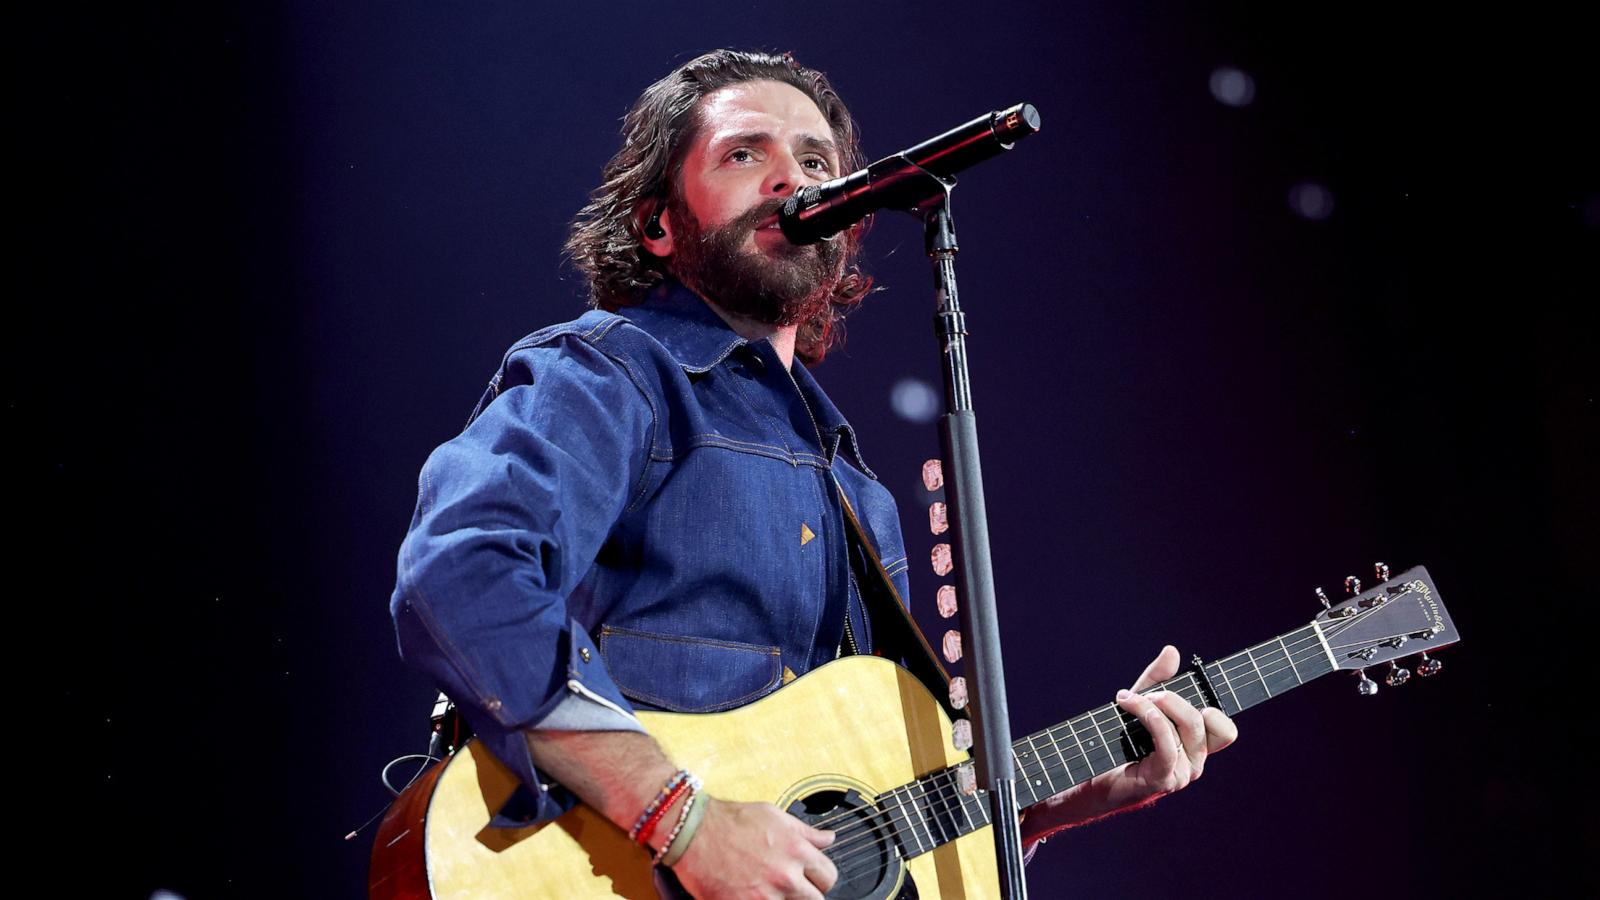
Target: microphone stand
(969,524)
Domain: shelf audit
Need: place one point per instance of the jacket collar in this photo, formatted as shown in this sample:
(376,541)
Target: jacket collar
(835,430)
(699,340)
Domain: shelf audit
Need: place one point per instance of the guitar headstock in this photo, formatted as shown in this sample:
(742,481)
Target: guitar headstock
(1394,618)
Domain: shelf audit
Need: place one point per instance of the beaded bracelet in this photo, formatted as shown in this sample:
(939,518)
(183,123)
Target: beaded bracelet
(659,804)
(666,804)
(678,842)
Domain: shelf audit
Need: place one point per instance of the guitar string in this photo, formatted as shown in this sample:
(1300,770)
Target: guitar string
(1300,650)
(941,792)
(1305,649)
(1118,717)
(934,791)
(942,796)
(1045,768)
(938,788)
(1118,720)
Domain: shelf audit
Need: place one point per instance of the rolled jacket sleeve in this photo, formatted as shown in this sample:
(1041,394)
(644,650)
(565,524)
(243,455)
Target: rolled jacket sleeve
(510,515)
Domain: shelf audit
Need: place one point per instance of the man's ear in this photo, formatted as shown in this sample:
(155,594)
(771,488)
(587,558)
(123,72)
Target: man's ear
(655,226)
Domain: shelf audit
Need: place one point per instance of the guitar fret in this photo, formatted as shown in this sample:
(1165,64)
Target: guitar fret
(1044,762)
(1280,666)
(1065,769)
(961,801)
(1022,768)
(901,796)
(1264,686)
(1193,686)
(1083,748)
(1290,657)
(980,802)
(1077,746)
(930,815)
(1066,765)
(1229,685)
(1094,720)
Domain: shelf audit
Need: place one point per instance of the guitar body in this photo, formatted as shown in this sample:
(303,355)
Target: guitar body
(860,724)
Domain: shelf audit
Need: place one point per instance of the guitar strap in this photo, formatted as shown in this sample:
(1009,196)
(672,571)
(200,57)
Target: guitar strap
(895,634)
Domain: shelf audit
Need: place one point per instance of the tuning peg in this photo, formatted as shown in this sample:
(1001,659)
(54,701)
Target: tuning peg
(933,475)
(1328,604)
(1352,585)
(1367,687)
(938,518)
(1427,666)
(1381,571)
(1397,676)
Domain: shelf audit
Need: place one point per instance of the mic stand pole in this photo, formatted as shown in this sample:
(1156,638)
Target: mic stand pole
(969,524)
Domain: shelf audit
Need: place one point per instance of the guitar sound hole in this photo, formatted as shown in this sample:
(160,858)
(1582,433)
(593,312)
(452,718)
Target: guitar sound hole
(864,848)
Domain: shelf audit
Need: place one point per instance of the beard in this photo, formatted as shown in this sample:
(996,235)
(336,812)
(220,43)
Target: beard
(786,285)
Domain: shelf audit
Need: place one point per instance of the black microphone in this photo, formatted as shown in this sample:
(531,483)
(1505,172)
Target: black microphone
(820,211)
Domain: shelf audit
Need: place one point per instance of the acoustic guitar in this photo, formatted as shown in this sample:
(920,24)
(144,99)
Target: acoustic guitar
(861,747)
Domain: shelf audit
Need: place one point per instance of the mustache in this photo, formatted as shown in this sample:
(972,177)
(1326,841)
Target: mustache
(759,213)
(727,236)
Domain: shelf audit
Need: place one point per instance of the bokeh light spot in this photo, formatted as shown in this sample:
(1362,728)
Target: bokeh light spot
(1232,86)
(914,400)
(1311,201)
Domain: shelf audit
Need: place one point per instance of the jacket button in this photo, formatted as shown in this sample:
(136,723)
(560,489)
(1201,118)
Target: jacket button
(584,652)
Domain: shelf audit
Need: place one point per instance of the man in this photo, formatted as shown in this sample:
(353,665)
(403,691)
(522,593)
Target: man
(649,506)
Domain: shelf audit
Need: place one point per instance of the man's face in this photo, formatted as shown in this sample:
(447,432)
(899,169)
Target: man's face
(758,143)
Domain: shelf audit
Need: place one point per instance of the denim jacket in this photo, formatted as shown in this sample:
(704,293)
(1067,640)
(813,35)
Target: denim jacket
(642,511)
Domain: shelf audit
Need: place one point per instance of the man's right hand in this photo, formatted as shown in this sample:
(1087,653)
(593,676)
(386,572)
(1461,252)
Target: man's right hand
(755,850)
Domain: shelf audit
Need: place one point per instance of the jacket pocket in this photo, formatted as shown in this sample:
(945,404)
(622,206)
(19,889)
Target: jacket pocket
(688,674)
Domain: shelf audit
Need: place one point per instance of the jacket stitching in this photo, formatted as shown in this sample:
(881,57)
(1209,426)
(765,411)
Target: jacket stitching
(777,427)
(641,485)
(786,454)
(606,631)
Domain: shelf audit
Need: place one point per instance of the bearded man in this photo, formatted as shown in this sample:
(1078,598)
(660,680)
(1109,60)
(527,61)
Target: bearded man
(649,507)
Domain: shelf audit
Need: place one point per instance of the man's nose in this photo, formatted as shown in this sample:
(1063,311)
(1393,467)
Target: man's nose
(784,177)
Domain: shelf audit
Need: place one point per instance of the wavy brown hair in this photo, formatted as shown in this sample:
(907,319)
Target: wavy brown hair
(604,242)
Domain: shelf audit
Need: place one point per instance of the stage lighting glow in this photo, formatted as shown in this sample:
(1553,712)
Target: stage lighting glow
(1232,86)
(914,400)
(1311,200)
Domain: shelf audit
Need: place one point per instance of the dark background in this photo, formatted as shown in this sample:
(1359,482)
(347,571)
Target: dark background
(268,257)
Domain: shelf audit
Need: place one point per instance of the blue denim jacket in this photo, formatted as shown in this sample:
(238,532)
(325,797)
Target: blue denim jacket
(642,511)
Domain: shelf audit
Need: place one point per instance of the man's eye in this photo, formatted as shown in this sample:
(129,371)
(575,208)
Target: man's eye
(740,155)
(817,164)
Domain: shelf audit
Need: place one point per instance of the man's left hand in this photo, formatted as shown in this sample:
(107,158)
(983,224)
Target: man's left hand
(1183,737)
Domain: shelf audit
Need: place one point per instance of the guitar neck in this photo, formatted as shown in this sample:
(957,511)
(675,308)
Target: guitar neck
(934,810)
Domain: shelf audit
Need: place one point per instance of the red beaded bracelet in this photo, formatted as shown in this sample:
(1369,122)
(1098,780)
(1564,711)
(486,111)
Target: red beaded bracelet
(660,801)
(655,818)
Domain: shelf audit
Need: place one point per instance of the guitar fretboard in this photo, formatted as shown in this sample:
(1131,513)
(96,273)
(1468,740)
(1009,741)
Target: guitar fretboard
(934,810)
